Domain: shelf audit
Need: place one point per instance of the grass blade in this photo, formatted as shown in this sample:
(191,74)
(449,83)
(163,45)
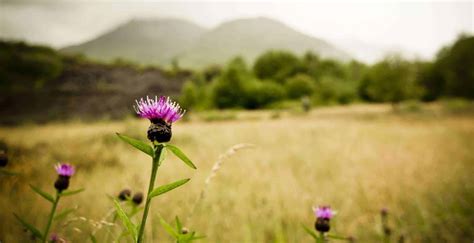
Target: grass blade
(168,228)
(70,193)
(312,233)
(142,146)
(168,187)
(43,194)
(126,220)
(176,151)
(30,227)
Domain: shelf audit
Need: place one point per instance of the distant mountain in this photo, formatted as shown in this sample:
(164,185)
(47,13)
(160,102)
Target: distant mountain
(162,40)
(251,37)
(142,41)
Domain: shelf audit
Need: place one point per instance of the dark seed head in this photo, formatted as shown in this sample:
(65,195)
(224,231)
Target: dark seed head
(322,225)
(62,183)
(384,212)
(138,198)
(387,231)
(159,131)
(3,158)
(124,194)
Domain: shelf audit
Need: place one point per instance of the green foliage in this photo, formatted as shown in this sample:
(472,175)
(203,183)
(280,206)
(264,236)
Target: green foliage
(132,230)
(277,65)
(229,87)
(333,90)
(189,95)
(260,94)
(391,80)
(142,146)
(299,86)
(24,67)
(176,151)
(452,74)
(168,187)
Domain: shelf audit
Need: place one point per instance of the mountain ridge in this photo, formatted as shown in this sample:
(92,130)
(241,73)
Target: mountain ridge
(164,40)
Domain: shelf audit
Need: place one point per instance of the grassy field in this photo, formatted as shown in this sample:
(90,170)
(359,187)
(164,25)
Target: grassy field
(358,159)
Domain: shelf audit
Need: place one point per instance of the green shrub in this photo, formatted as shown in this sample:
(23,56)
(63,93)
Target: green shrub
(299,86)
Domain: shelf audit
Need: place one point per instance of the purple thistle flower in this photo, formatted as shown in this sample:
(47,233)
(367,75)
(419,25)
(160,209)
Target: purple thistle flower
(159,109)
(324,212)
(64,169)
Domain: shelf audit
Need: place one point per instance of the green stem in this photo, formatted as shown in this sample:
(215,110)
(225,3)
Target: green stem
(51,216)
(322,237)
(154,169)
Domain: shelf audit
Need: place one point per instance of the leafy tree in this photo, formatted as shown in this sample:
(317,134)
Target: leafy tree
(229,88)
(260,94)
(189,95)
(334,90)
(453,71)
(299,86)
(391,80)
(277,65)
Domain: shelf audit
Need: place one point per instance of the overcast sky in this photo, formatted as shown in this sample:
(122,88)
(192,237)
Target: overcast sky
(421,27)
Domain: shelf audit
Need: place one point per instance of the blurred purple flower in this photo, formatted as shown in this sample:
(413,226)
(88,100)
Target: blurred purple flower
(324,212)
(65,169)
(159,109)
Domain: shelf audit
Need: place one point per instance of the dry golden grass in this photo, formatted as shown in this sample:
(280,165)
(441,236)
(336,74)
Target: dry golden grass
(358,159)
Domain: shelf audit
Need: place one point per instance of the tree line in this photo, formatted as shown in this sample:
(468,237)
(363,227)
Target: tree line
(278,76)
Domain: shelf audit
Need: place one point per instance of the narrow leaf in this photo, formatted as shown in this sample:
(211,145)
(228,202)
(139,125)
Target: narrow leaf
(43,194)
(179,226)
(176,151)
(166,188)
(64,213)
(142,146)
(168,228)
(337,237)
(8,173)
(125,220)
(70,193)
(93,239)
(312,233)
(30,227)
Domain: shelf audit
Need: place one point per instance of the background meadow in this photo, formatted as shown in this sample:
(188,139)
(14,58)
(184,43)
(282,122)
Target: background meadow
(359,159)
(359,105)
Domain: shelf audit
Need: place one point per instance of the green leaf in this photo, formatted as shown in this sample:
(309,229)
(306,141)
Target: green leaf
(70,193)
(8,173)
(64,213)
(176,151)
(336,237)
(126,220)
(162,155)
(168,228)
(30,227)
(93,239)
(312,233)
(43,194)
(166,188)
(142,146)
(179,226)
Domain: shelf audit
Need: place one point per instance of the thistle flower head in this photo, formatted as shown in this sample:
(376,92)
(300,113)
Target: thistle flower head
(159,109)
(324,212)
(64,169)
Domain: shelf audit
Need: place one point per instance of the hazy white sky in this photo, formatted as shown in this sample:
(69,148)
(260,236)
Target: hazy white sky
(421,27)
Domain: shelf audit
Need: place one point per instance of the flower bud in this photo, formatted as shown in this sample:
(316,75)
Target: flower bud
(159,131)
(322,225)
(384,212)
(3,158)
(62,183)
(124,194)
(137,198)
(184,230)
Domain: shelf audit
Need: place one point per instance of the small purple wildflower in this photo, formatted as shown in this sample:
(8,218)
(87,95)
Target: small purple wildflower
(159,109)
(324,212)
(65,169)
